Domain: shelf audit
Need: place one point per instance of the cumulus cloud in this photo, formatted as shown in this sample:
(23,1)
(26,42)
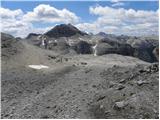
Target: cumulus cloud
(10,14)
(114,1)
(118,4)
(11,22)
(47,13)
(109,20)
(17,23)
(122,21)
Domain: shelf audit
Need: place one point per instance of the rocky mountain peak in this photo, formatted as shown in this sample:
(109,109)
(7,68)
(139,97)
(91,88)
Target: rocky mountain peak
(64,30)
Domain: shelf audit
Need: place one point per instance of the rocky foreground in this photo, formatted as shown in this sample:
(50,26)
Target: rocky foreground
(75,85)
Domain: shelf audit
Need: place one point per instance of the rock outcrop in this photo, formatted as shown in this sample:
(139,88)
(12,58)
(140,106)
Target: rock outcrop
(82,47)
(106,46)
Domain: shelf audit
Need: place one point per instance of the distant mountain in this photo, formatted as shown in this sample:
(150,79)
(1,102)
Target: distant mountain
(103,34)
(64,30)
(66,38)
(32,35)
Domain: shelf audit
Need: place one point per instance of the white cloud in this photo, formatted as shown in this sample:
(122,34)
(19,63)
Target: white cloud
(10,14)
(118,4)
(122,21)
(114,1)
(17,23)
(47,13)
(109,20)
(12,23)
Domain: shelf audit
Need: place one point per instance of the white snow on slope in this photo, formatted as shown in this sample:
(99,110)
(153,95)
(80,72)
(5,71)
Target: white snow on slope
(38,66)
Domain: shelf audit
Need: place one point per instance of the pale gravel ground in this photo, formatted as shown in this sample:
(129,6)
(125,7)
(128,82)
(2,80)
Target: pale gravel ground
(67,89)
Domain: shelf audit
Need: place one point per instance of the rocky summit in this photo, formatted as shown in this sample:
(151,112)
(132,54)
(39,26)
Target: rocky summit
(64,30)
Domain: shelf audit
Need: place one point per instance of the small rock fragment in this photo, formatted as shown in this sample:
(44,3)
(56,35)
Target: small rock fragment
(140,82)
(101,98)
(122,81)
(120,105)
(107,112)
(120,87)
(47,107)
(94,86)
(101,107)
(45,117)
(83,63)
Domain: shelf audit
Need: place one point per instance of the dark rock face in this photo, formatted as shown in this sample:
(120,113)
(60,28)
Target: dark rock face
(103,48)
(107,46)
(82,47)
(145,54)
(32,35)
(142,49)
(64,30)
(61,47)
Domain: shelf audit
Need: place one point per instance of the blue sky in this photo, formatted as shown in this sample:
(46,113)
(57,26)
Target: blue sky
(80,9)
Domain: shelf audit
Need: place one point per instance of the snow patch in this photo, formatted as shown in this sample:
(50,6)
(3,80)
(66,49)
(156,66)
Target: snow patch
(95,51)
(43,42)
(38,66)
(50,41)
(80,38)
